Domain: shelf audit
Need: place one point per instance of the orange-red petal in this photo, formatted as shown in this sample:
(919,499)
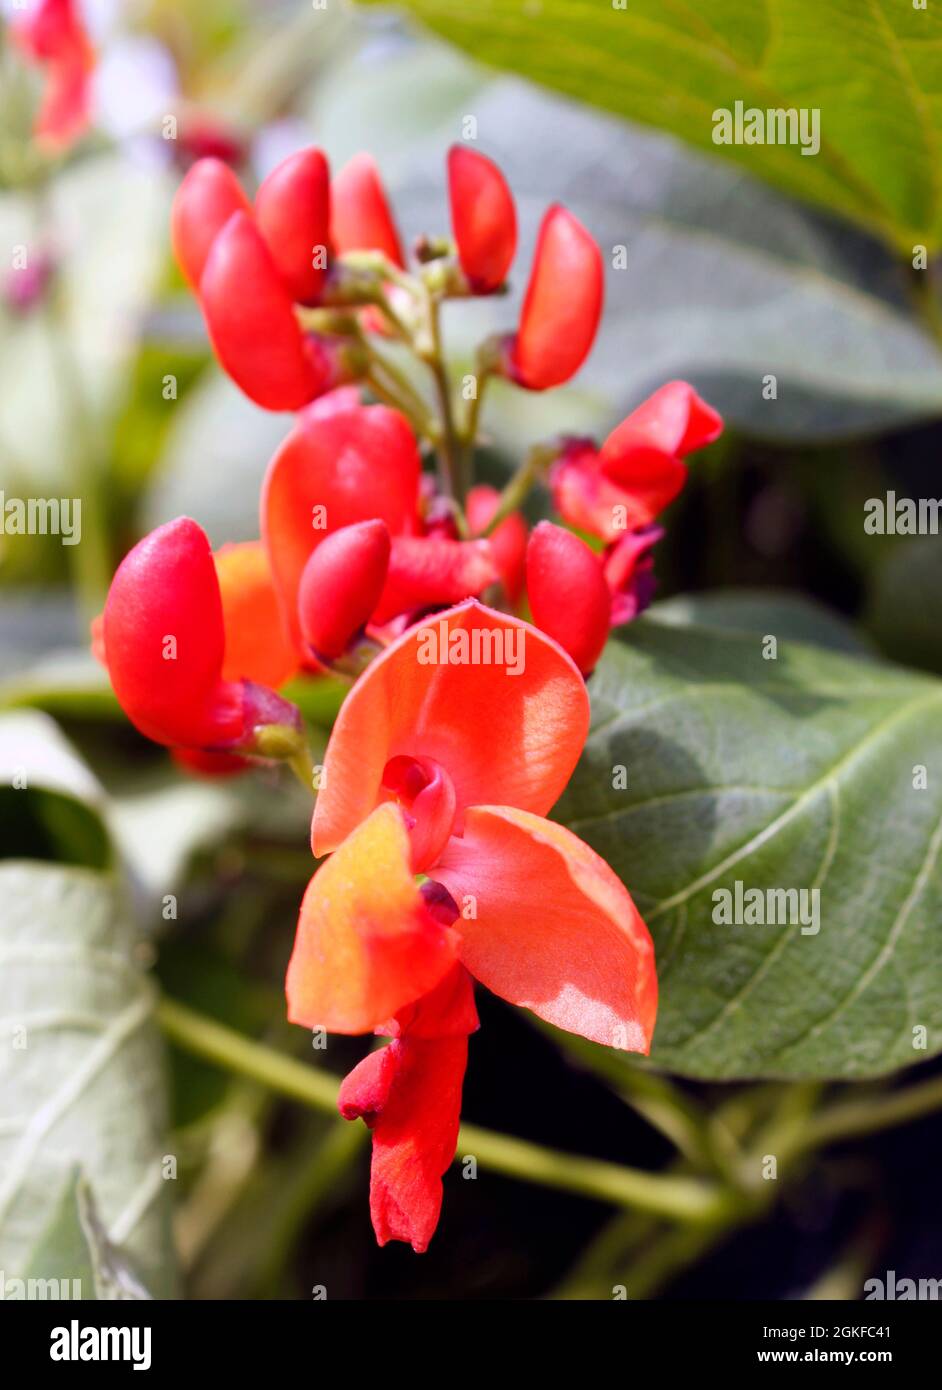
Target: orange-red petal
(508,730)
(554,930)
(257,646)
(366,943)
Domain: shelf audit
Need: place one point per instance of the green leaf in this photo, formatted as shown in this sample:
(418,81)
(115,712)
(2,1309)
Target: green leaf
(76,1247)
(712,258)
(792,773)
(81,1072)
(51,807)
(787,616)
(871,67)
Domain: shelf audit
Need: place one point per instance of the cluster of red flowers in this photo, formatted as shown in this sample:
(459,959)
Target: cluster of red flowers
(464,721)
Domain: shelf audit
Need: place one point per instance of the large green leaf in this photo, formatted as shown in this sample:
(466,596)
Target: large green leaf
(796,772)
(873,68)
(81,1074)
(726,280)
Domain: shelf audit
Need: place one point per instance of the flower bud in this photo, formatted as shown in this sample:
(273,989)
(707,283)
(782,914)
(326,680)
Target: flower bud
(483,218)
(202,206)
(562,307)
(360,217)
(569,598)
(164,644)
(252,324)
(341,585)
(342,463)
(292,208)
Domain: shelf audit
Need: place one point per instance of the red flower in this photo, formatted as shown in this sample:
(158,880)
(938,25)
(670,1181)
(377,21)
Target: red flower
(444,760)
(639,468)
(568,595)
(251,322)
(342,463)
(164,643)
(53,36)
(562,307)
(483,218)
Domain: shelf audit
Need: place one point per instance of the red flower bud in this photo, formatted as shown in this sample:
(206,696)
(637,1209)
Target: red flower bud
(251,321)
(568,595)
(292,208)
(164,643)
(483,218)
(341,585)
(342,463)
(508,540)
(434,572)
(562,307)
(202,206)
(360,219)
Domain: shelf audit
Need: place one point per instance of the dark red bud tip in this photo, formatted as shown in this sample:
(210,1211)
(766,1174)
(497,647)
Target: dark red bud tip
(483,218)
(341,585)
(252,324)
(439,902)
(202,206)
(563,304)
(569,598)
(292,208)
(364,1092)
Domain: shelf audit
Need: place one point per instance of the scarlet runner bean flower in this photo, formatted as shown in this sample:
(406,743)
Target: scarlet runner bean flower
(443,763)
(163,639)
(53,35)
(639,469)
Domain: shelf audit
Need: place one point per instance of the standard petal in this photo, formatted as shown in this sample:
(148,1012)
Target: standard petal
(554,929)
(492,700)
(366,944)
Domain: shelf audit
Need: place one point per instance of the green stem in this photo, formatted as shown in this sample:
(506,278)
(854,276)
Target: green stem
(682,1198)
(851,1119)
(519,486)
(453,472)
